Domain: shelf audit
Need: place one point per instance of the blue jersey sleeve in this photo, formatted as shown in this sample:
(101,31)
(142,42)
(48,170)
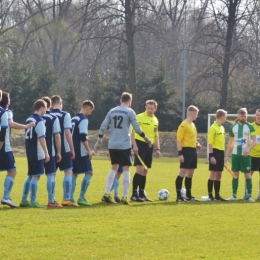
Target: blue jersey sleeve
(67,121)
(83,127)
(40,129)
(56,126)
(4,120)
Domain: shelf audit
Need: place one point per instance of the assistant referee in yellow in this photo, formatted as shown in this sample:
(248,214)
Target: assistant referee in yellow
(149,123)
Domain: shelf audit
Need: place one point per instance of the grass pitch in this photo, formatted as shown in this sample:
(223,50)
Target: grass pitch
(159,230)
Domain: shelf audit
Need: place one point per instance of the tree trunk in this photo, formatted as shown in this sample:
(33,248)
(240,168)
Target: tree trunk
(231,22)
(130,52)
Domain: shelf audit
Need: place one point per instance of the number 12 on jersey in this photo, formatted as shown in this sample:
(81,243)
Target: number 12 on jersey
(118,120)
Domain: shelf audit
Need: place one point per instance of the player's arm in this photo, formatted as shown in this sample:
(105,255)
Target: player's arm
(68,135)
(58,146)
(180,135)
(229,147)
(15,125)
(134,145)
(44,147)
(157,146)
(4,125)
(104,126)
(252,144)
(56,133)
(84,141)
(211,135)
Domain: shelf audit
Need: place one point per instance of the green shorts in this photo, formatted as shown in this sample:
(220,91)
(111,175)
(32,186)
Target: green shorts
(241,163)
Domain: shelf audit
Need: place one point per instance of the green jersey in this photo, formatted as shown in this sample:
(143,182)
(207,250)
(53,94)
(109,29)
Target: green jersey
(242,135)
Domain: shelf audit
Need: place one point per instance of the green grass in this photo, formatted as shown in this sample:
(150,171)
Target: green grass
(159,230)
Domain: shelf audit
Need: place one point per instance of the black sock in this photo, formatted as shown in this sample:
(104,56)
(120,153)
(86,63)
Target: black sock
(142,185)
(136,183)
(217,188)
(188,183)
(178,185)
(210,187)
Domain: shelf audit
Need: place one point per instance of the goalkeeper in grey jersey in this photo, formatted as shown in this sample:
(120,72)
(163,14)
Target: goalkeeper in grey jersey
(119,120)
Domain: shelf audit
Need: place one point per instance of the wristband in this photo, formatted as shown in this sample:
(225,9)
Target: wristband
(211,155)
(180,153)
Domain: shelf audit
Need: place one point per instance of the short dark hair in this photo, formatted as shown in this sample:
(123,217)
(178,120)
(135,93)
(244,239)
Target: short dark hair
(38,104)
(126,97)
(88,103)
(55,99)
(5,99)
(48,101)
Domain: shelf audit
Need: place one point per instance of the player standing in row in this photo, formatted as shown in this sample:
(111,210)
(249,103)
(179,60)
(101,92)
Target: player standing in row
(120,118)
(255,152)
(216,144)
(7,161)
(242,139)
(52,125)
(36,152)
(187,153)
(67,148)
(149,123)
(83,155)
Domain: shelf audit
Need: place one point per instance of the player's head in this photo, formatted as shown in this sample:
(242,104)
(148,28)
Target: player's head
(87,107)
(56,101)
(242,115)
(40,107)
(257,116)
(126,99)
(150,107)
(221,115)
(48,102)
(5,101)
(192,112)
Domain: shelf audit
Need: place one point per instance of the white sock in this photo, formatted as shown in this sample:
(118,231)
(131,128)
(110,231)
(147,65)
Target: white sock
(110,180)
(126,183)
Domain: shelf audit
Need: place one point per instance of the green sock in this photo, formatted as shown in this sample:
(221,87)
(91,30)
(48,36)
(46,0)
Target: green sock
(234,187)
(249,186)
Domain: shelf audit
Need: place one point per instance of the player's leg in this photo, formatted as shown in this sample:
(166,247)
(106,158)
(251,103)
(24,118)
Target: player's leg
(26,187)
(66,165)
(139,174)
(114,157)
(211,181)
(116,184)
(178,183)
(37,171)
(7,162)
(246,168)
(148,162)
(220,160)
(235,159)
(85,184)
(191,154)
(73,186)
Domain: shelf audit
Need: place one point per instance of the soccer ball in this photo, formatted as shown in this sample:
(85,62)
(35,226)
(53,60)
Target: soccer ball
(163,194)
(183,193)
(145,194)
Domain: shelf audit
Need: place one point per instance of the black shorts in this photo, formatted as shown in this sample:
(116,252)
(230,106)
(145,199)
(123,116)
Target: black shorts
(255,164)
(190,158)
(82,165)
(7,162)
(51,166)
(65,163)
(145,152)
(219,156)
(122,157)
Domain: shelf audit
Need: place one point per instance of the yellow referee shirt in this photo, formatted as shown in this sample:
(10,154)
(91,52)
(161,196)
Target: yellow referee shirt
(149,124)
(187,134)
(255,152)
(216,136)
